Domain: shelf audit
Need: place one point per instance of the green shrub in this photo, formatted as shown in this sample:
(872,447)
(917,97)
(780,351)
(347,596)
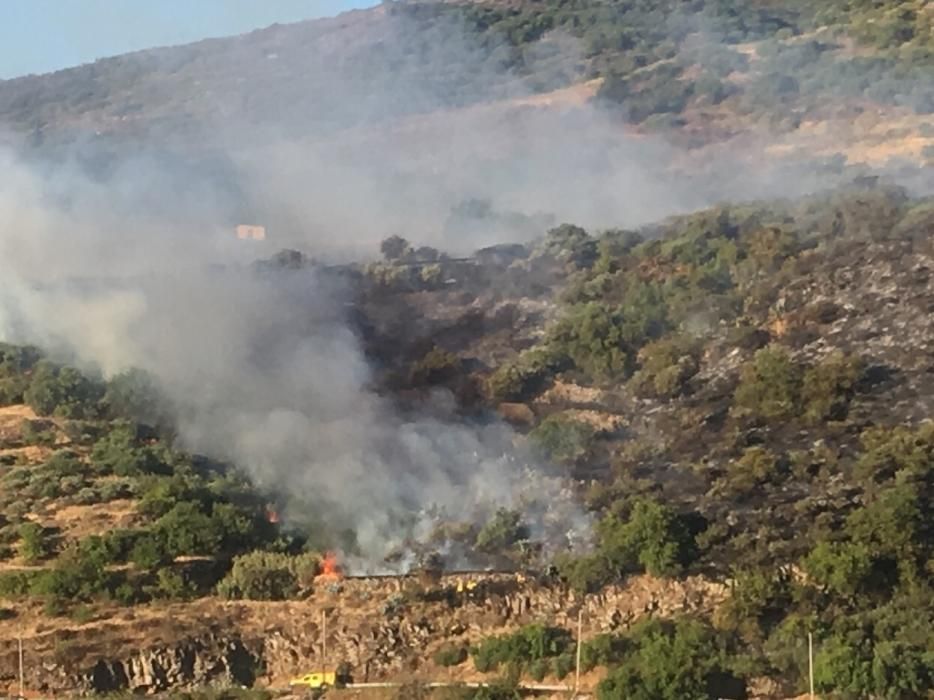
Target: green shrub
(37,432)
(115,490)
(120,453)
(87,496)
(758,598)
(395,248)
(134,394)
(450,655)
(530,643)
(150,551)
(173,585)
(82,614)
(900,451)
(63,391)
(588,573)
(570,244)
(653,538)
(12,389)
(770,385)
(268,576)
(14,584)
(839,567)
(563,439)
(538,669)
(602,340)
(671,661)
(828,387)
(502,532)
(562,665)
(120,543)
(436,367)
(602,650)
(665,366)
(37,543)
(756,467)
(76,577)
(65,463)
(127,594)
(525,376)
(70,485)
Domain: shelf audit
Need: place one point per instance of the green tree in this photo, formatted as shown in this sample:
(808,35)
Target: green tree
(680,661)
(592,336)
(528,644)
(36,543)
(828,386)
(63,391)
(436,367)
(134,394)
(653,538)
(770,385)
(267,576)
(563,439)
(187,529)
(394,248)
(450,655)
(119,452)
(150,551)
(841,567)
(754,468)
(665,366)
(502,532)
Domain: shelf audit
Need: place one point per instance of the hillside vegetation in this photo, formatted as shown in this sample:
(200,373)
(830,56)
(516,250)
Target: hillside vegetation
(740,396)
(749,416)
(664,64)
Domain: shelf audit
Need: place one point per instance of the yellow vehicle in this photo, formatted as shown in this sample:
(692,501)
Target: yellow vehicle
(315,680)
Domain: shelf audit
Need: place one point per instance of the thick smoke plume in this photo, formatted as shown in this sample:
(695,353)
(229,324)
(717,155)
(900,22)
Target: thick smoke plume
(264,368)
(139,267)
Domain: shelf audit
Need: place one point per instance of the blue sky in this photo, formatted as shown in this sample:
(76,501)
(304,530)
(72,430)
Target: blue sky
(38,36)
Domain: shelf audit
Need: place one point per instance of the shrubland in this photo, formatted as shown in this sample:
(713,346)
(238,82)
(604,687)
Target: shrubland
(750,445)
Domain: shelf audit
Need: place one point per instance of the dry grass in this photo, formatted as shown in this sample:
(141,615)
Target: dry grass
(567,393)
(30,454)
(14,414)
(77,521)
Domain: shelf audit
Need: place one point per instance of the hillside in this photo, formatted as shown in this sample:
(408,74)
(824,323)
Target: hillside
(647,339)
(409,57)
(382,98)
(741,394)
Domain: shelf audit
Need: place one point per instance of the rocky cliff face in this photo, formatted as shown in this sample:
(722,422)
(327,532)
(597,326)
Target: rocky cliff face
(384,629)
(196,661)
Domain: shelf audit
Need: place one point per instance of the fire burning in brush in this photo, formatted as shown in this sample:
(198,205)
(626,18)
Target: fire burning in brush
(272,514)
(330,569)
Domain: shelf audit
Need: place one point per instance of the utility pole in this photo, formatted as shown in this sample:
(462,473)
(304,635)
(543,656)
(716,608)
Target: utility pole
(22,683)
(811,663)
(324,639)
(580,635)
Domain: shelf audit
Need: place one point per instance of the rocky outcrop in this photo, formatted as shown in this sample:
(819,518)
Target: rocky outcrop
(215,658)
(382,628)
(194,662)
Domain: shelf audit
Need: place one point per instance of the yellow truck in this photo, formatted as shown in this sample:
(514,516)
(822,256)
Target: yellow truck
(315,680)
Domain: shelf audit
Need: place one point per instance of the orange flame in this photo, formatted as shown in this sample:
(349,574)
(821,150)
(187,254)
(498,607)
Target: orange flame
(330,568)
(272,515)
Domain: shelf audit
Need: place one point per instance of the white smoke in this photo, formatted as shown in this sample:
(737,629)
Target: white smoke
(141,269)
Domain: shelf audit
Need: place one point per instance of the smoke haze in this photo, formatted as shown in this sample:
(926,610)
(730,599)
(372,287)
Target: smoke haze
(139,268)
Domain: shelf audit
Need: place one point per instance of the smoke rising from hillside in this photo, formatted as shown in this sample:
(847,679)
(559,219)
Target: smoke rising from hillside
(265,370)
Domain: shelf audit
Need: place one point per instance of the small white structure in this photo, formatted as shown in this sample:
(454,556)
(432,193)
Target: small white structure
(247,232)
